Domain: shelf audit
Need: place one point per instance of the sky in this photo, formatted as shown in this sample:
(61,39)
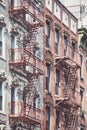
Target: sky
(62,1)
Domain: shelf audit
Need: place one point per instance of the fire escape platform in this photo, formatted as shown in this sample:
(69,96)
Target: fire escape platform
(66,61)
(25,119)
(15,13)
(25,59)
(66,103)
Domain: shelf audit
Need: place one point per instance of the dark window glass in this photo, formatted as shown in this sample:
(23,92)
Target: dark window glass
(34,102)
(73,49)
(12,100)
(81,60)
(57,82)
(81,93)
(47,76)
(47,34)
(57,119)
(65,45)
(0,48)
(0,41)
(82,127)
(0,96)
(47,118)
(56,40)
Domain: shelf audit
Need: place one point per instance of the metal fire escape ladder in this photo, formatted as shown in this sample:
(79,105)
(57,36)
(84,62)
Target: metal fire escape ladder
(29,93)
(70,71)
(72,76)
(70,81)
(30,39)
(69,106)
(27,64)
(70,120)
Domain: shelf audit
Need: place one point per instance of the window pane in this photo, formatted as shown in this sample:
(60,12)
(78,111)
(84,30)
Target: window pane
(0,102)
(47,76)
(57,82)
(56,35)
(0,89)
(0,34)
(65,45)
(13,94)
(47,34)
(57,119)
(47,28)
(73,48)
(0,48)
(47,118)
(0,96)
(12,42)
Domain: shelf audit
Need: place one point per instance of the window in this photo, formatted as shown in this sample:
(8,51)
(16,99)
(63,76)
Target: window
(56,40)
(81,60)
(65,80)
(47,76)
(47,118)
(65,45)
(86,64)
(12,47)
(34,102)
(12,99)
(47,34)
(0,48)
(0,96)
(73,91)
(82,127)
(12,94)
(57,82)
(12,42)
(12,3)
(0,41)
(73,49)
(57,119)
(81,92)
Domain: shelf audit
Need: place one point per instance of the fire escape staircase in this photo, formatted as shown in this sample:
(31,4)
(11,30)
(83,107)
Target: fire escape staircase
(70,120)
(70,81)
(28,60)
(30,39)
(30,91)
(69,106)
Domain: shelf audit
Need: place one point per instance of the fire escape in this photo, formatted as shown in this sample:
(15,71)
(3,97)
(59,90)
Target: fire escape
(69,102)
(24,62)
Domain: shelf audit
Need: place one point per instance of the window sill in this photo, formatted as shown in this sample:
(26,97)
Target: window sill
(48,49)
(2,112)
(82,78)
(47,91)
(2,4)
(56,95)
(2,58)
